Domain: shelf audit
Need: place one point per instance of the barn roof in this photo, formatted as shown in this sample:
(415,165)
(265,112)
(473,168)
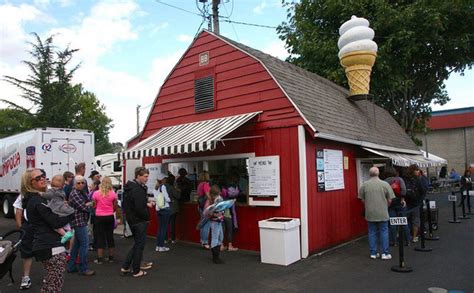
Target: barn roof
(328,111)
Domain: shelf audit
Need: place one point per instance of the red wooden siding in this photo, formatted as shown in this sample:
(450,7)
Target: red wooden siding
(242,85)
(279,141)
(333,216)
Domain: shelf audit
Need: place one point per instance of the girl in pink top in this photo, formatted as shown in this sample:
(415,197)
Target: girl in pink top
(105,202)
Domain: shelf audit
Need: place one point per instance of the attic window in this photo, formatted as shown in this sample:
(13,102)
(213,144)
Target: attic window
(204,94)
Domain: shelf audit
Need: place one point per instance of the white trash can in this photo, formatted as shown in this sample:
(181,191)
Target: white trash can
(280,241)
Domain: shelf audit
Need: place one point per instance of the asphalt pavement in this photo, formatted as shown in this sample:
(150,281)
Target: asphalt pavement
(188,268)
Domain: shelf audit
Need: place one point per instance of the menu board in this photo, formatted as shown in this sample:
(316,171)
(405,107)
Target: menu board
(329,169)
(264,176)
(155,173)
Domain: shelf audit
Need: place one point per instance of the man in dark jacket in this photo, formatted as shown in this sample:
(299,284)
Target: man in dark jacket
(136,206)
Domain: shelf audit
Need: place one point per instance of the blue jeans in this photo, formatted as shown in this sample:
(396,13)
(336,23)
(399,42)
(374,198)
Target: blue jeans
(163,219)
(378,231)
(81,247)
(399,212)
(217,235)
(135,254)
(204,232)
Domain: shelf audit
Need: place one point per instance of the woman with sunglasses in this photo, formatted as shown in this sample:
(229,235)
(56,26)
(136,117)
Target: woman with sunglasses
(79,200)
(47,246)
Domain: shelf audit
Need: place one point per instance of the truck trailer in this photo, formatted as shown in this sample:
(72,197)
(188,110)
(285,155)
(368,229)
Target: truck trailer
(55,150)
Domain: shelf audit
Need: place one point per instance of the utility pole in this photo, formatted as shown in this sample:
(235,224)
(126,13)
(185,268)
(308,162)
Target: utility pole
(138,119)
(215,15)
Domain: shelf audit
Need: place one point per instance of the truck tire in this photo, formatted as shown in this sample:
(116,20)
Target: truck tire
(7,205)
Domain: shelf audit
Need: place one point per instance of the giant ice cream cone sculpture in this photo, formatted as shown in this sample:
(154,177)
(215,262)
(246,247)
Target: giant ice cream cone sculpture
(357,53)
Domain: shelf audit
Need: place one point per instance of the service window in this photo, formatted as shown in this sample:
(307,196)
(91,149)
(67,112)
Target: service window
(223,172)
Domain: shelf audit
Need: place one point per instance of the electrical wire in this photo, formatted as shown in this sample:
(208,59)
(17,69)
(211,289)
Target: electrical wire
(176,7)
(250,24)
(229,15)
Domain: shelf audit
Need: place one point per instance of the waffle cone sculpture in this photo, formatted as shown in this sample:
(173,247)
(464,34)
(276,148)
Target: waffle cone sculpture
(357,54)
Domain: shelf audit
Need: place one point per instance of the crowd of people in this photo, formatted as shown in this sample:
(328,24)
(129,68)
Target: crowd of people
(400,194)
(66,218)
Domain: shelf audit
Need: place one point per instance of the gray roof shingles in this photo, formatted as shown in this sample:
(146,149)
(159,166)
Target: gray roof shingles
(327,108)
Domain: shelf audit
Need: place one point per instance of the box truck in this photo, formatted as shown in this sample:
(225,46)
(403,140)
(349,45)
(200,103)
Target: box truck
(54,150)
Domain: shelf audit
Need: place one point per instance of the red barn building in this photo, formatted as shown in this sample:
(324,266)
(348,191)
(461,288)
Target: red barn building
(225,106)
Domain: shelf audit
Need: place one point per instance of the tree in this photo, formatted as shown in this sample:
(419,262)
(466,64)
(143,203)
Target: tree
(92,117)
(14,121)
(56,101)
(420,44)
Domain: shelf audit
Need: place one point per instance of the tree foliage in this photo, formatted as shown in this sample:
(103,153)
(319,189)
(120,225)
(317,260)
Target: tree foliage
(55,100)
(420,44)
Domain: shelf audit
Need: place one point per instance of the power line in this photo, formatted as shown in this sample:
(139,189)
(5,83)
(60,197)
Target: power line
(176,7)
(250,24)
(229,15)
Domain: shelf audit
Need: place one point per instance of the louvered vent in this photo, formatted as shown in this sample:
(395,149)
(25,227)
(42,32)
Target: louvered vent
(204,94)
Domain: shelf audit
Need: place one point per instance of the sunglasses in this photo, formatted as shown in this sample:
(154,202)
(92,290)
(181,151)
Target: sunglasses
(80,182)
(39,178)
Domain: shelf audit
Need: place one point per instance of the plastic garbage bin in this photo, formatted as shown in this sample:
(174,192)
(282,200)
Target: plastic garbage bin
(280,241)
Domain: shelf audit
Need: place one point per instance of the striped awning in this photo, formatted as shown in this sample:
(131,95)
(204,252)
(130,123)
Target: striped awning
(187,138)
(405,160)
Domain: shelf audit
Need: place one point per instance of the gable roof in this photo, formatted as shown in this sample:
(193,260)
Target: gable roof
(326,108)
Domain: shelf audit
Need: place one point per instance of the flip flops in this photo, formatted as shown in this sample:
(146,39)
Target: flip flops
(146,265)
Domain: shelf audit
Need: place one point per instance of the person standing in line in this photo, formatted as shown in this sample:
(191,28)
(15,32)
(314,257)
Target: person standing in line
(203,190)
(47,246)
(414,198)
(175,196)
(105,202)
(216,220)
(81,203)
(93,187)
(136,206)
(466,186)
(26,245)
(398,208)
(163,212)
(377,196)
(184,185)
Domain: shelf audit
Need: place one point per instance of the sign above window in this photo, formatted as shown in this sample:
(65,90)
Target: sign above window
(204,58)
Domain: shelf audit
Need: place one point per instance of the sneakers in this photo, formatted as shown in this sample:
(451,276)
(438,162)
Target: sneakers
(415,239)
(67,236)
(375,256)
(161,249)
(25,283)
(99,261)
(386,256)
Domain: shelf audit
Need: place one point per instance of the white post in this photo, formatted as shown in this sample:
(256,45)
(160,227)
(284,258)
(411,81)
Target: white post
(303,192)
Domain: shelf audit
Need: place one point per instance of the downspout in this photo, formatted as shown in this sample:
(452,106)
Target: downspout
(303,192)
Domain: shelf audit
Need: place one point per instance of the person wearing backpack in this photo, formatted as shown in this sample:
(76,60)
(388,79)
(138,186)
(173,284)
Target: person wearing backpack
(414,198)
(398,208)
(163,212)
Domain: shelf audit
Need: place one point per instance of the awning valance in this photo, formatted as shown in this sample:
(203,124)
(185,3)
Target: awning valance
(405,160)
(187,138)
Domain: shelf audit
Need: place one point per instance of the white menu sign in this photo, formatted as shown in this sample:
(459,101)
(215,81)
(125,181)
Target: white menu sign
(264,176)
(155,173)
(333,170)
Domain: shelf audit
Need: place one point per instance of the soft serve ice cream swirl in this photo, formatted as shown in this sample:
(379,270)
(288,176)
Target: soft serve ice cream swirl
(357,53)
(356,35)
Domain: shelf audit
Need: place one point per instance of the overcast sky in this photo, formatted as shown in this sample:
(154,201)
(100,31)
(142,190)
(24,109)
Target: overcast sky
(128,47)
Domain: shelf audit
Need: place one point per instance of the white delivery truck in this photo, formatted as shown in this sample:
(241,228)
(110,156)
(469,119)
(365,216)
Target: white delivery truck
(109,165)
(54,150)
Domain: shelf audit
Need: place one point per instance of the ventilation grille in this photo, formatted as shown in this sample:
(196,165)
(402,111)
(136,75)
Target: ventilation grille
(204,94)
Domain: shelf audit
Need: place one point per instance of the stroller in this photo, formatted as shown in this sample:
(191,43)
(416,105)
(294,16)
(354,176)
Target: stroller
(8,249)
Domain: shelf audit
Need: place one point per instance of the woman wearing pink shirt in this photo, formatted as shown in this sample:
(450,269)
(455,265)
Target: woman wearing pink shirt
(105,201)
